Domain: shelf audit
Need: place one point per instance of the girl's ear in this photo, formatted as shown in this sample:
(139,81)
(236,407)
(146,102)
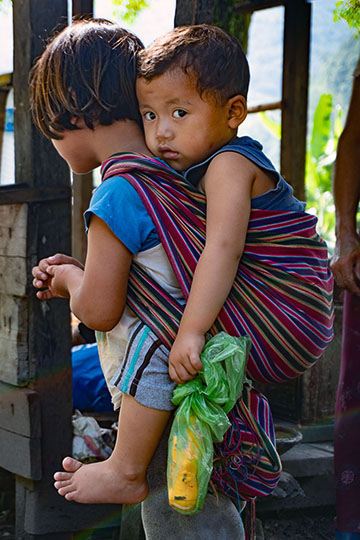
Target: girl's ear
(237,108)
(77,121)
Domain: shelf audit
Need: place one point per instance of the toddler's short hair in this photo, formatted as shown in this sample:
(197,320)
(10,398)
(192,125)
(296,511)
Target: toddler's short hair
(88,70)
(213,56)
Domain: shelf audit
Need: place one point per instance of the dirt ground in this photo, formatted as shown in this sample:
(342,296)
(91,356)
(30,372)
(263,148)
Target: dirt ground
(302,526)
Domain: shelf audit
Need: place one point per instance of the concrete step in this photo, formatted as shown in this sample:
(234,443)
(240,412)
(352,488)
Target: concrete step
(307,481)
(309,459)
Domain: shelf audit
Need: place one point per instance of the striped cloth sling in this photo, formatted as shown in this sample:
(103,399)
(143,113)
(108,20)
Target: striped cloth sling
(282,294)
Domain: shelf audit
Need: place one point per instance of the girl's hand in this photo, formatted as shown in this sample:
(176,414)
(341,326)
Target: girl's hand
(60,276)
(184,358)
(42,279)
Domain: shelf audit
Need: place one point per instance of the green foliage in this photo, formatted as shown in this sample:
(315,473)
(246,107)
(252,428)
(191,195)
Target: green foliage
(349,10)
(273,127)
(5,5)
(320,158)
(128,10)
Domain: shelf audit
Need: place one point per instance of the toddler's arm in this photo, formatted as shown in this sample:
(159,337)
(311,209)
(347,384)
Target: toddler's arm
(228,186)
(97,292)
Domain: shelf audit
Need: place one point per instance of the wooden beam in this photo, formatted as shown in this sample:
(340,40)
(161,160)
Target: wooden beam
(48,231)
(23,193)
(34,22)
(82,191)
(295,93)
(194,12)
(82,7)
(82,184)
(257,5)
(4,90)
(265,107)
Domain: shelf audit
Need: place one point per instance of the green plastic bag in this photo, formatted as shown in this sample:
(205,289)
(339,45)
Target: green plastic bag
(201,419)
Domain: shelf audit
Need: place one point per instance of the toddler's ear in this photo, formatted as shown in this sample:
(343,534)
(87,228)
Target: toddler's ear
(237,111)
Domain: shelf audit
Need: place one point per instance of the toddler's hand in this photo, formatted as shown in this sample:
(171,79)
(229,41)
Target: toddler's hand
(184,358)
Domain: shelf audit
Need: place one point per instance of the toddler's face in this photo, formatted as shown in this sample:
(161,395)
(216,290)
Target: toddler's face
(181,127)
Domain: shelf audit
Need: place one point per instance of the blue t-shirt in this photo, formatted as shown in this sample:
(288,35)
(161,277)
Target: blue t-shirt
(279,198)
(117,203)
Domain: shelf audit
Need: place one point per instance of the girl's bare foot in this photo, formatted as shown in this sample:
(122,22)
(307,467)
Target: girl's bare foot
(99,483)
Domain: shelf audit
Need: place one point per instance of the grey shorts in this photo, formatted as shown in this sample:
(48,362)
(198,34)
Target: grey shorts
(144,372)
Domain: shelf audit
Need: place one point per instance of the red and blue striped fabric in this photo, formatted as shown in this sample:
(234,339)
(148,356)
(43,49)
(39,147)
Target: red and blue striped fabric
(282,294)
(246,463)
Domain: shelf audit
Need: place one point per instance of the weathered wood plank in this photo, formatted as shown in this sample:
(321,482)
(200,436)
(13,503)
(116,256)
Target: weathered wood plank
(13,340)
(13,223)
(295,93)
(13,276)
(20,411)
(20,455)
(22,193)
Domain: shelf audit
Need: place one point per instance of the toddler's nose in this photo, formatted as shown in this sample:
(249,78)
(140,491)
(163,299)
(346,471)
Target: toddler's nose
(164,132)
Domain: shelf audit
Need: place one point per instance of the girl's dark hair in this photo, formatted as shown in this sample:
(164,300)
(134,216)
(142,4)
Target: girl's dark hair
(213,56)
(88,70)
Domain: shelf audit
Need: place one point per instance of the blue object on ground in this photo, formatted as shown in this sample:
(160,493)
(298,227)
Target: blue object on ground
(346,536)
(90,392)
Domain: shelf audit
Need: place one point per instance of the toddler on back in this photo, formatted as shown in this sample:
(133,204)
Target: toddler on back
(192,89)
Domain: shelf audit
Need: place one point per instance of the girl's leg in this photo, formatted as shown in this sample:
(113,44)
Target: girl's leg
(347,423)
(122,477)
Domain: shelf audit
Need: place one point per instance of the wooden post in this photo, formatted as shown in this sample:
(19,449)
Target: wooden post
(82,184)
(4,90)
(82,188)
(295,93)
(35,336)
(46,324)
(82,7)
(194,12)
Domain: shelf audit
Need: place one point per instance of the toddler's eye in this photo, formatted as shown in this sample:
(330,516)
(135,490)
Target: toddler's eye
(179,113)
(149,115)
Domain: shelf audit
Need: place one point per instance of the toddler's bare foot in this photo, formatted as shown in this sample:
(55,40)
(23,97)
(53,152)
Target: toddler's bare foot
(99,483)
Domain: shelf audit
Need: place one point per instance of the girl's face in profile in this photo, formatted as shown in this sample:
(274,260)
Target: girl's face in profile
(76,147)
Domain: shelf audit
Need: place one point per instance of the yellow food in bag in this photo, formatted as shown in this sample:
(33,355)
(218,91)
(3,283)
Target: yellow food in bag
(183,494)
